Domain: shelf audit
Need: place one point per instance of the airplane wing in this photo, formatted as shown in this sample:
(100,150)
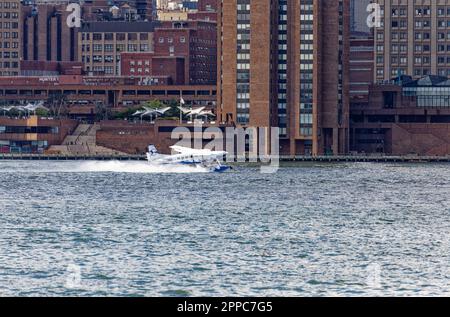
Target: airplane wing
(189,151)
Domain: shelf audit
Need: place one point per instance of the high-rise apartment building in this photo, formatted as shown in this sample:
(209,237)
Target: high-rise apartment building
(285,63)
(10,35)
(414,39)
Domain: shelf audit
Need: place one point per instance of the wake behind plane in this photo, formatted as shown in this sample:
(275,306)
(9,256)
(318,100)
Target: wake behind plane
(187,156)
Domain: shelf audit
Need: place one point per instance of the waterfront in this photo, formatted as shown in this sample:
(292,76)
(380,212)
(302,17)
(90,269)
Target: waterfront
(123,228)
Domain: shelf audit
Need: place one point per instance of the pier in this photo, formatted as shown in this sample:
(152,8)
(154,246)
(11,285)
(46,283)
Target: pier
(58,157)
(317,159)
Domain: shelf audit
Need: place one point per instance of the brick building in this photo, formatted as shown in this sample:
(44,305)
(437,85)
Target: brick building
(285,63)
(206,10)
(361,68)
(46,35)
(50,68)
(151,65)
(207,5)
(109,91)
(196,41)
(404,117)
(188,44)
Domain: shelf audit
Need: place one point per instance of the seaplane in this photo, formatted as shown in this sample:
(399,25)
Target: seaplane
(186,156)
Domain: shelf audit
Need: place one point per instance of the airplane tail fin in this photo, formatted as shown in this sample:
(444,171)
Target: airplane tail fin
(152,152)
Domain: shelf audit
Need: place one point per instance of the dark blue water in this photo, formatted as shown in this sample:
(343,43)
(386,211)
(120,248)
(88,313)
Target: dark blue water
(125,229)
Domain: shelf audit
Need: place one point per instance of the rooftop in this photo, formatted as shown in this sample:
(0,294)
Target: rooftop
(119,26)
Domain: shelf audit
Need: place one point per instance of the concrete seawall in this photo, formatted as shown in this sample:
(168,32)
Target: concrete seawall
(325,159)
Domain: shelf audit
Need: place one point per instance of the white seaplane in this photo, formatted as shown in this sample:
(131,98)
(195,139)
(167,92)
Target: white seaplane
(186,156)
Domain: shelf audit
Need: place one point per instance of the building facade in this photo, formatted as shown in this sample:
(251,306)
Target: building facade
(110,91)
(196,42)
(404,117)
(285,63)
(10,35)
(102,43)
(149,65)
(46,35)
(361,68)
(206,10)
(33,134)
(414,39)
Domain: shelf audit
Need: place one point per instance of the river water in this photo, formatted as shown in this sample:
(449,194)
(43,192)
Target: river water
(127,229)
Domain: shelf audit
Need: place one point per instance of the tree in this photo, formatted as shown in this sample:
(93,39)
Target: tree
(128,113)
(102,111)
(58,105)
(154,104)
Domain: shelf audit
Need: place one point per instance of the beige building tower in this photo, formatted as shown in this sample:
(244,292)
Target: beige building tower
(10,37)
(414,39)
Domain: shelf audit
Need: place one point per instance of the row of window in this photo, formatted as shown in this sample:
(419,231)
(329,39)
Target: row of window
(9,35)
(116,36)
(403,36)
(9,5)
(9,25)
(9,55)
(418,60)
(115,48)
(9,64)
(418,12)
(419,24)
(161,40)
(108,70)
(140,70)
(9,44)
(418,48)
(417,72)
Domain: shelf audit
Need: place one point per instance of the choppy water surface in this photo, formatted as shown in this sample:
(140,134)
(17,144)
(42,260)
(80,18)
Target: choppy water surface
(111,228)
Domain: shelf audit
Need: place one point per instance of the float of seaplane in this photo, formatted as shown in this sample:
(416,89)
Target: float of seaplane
(207,159)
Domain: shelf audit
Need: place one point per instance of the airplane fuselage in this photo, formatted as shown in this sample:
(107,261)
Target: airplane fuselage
(186,156)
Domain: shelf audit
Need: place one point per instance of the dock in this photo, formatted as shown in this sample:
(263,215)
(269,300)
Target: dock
(58,157)
(367,158)
(317,159)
